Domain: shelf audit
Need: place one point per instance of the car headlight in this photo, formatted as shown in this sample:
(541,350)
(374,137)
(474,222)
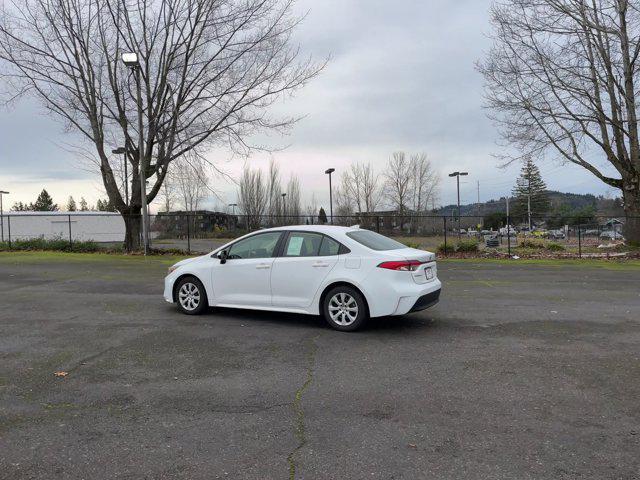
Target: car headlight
(172,269)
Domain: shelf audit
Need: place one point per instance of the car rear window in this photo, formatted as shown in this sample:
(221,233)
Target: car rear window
(374,240)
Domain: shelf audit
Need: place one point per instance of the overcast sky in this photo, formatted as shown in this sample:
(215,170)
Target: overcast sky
(401,77)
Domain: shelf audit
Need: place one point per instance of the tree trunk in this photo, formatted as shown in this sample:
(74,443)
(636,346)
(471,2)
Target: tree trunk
(133,226)
(632,210)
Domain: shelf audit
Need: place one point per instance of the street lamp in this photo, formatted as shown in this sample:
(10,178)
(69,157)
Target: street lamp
(131,60)
(329,171)
(2,192)
(123,151)
(284,207)
(458,175)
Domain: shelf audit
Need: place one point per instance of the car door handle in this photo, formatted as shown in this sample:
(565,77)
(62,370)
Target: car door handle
(320,264)
(263,266)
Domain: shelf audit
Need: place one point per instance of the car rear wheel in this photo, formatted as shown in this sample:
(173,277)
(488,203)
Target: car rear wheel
(191,296)
(344,309)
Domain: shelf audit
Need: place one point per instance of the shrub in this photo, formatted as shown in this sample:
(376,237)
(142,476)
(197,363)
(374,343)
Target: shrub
(56,244)
(461,246)
(532,243)
(555,247)
(411,244)
(467,246)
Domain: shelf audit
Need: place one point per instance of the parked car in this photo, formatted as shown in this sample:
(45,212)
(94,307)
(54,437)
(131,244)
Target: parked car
(487,232)
(556,234)
(592,232)
(346,274)
(611,235)
(540,233)
(511,231)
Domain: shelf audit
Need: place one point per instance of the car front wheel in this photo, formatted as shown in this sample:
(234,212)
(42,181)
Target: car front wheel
(191,296)
(344,309)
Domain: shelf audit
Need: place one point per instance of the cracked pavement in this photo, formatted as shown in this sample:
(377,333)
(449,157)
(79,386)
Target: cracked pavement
(521,371)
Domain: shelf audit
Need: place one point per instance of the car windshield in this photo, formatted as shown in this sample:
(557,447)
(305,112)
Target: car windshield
(374,240)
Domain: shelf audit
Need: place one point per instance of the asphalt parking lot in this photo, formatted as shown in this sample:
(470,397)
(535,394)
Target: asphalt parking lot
(521,372)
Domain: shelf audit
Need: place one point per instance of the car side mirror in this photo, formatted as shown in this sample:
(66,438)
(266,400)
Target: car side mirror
(223,255)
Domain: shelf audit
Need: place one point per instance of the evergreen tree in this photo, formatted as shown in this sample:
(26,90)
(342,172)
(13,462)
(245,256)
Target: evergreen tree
(71,204)
(322,216)
(530,194)
(105,206)
(19,207)
(44,203)
(83,205)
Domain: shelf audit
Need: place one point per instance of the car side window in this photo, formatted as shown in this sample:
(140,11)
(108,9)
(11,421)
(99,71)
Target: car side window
(302,244)
(329,247)
(262,245)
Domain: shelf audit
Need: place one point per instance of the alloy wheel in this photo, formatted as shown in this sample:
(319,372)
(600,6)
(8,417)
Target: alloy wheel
(343,309)
(189,296)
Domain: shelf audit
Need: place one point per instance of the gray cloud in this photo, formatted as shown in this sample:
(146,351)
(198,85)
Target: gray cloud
(401,76)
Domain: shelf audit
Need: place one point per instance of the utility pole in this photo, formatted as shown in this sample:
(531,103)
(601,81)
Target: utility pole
(2,192)
(478,182)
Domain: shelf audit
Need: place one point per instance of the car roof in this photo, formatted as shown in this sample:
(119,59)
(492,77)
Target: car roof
(335,229)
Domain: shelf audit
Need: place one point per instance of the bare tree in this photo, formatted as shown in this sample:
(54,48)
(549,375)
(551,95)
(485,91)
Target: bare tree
(168,192)
(209,71)
(359,184)
(293,204)
(189,178)
(562,78)
(425,182)
(274,186)
(253,196)
(398,181)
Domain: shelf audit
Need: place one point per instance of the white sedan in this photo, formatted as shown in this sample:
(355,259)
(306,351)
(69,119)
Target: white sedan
(347,274)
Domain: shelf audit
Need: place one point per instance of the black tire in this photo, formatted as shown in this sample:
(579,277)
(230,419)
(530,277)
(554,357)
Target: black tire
(191,297)
(340,301)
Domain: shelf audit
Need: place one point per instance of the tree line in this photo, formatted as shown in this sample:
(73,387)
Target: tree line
(45,203)
(407,184)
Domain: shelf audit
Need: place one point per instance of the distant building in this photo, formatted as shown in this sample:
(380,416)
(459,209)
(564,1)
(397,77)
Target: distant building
(202,223)
(96,226)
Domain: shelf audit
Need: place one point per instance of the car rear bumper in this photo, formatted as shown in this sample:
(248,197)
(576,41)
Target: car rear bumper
(426,301)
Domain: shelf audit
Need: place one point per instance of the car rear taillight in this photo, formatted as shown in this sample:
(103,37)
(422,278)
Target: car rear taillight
(402,265)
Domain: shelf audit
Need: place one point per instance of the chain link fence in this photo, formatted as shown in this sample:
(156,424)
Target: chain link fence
(203,231)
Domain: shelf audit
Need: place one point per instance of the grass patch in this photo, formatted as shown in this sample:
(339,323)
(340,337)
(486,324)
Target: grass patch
(96,257)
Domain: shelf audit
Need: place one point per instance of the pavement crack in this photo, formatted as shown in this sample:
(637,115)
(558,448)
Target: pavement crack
(299,426)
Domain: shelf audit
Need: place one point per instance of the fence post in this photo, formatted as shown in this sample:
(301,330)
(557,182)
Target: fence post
(70,241)
(444,219)
(509,235)
(9,228)
(188,234)
(579,240)
(378,223)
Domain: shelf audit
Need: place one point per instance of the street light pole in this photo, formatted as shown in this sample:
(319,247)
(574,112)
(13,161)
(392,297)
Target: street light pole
(2,192)
(458,175)
(131,61)
(329,171)
(284,207)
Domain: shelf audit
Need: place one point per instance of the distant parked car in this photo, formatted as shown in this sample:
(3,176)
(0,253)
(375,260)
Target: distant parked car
(611,235)
(540,233)
(556,234)
(487,232)
(592,232)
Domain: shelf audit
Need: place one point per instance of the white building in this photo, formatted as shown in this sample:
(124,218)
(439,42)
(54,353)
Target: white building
(96,226)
